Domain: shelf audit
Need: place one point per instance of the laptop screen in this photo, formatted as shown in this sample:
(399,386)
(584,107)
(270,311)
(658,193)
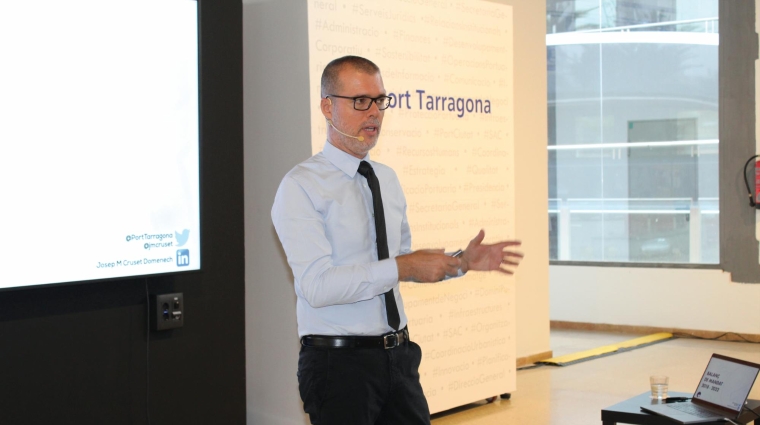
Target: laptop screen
(726,382)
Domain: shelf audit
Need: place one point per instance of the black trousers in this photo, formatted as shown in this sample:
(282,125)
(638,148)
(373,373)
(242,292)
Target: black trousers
(362,386)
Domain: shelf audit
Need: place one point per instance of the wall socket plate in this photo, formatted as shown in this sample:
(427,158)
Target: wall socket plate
(168,311)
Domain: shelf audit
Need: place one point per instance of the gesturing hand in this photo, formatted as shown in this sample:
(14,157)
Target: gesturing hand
(426,265)
(497,257)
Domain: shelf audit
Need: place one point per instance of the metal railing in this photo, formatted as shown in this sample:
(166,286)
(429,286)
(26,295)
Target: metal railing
(693,209)
(710,25)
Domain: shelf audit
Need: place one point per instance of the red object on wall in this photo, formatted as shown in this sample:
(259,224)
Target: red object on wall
(757,183)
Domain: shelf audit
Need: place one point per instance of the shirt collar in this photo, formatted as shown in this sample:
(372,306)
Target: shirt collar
(349,164)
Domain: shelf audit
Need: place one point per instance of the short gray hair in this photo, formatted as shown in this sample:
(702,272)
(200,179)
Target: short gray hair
(330,81)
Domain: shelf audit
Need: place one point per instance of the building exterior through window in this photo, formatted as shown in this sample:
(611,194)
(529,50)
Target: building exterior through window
(633,130)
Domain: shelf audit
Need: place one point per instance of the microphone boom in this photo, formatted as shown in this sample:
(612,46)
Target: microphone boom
(359,138)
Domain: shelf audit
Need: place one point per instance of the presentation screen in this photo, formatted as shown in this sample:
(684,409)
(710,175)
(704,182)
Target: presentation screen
(99,140)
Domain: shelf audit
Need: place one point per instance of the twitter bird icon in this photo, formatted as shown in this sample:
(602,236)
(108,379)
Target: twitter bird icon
(182,237)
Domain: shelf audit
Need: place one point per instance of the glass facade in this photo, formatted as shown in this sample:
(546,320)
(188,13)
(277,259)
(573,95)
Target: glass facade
(633,130)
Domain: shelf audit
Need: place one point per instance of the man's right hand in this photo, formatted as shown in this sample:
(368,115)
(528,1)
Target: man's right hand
(426,265)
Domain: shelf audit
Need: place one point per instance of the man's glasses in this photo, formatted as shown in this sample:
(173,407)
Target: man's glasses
(363,103)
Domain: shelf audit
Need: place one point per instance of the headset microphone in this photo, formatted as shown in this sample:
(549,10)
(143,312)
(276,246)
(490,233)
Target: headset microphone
(359,138)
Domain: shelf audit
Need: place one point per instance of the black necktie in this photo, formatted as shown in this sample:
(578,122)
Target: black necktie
(391,309)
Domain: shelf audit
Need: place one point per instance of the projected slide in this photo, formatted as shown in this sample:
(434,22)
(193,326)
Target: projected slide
(448,134)
(98,140)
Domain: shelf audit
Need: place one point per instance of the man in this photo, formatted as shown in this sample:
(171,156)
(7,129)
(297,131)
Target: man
(349,244)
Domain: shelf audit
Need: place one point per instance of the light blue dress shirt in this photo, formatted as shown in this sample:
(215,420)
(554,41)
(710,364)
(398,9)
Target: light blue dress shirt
(324,218)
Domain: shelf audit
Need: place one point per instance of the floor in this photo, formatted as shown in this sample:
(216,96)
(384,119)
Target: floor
(576,394)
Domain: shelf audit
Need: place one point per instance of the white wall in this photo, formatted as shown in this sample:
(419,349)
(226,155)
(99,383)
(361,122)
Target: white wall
(679,298)
(277,136)
(531,178)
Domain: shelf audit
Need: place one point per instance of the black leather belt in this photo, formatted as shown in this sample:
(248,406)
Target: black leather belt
(391,340)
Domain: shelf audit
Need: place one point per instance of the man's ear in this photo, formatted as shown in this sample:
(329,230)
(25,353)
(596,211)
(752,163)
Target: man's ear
(326,106)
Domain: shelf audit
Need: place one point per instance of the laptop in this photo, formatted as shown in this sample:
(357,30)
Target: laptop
(721,393)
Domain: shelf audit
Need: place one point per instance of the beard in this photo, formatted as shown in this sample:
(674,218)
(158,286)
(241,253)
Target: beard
(354,146)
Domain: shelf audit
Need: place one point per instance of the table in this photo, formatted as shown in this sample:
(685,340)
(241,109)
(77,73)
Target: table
(629,412)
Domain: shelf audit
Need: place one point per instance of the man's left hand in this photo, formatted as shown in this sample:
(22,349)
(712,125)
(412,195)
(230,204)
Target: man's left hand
(497,256)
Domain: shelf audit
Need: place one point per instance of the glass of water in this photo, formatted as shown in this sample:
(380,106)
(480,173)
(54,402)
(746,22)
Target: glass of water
(659,384)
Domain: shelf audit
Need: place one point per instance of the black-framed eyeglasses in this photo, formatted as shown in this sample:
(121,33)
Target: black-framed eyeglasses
(363,103)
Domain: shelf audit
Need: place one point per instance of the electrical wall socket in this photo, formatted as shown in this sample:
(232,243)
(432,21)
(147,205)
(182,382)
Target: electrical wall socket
(168,311)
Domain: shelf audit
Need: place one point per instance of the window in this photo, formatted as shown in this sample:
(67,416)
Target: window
(633,131)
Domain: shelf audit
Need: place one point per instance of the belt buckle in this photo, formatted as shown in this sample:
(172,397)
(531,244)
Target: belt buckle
(385,341)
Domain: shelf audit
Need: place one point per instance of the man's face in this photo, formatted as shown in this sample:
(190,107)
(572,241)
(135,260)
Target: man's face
(341,112)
